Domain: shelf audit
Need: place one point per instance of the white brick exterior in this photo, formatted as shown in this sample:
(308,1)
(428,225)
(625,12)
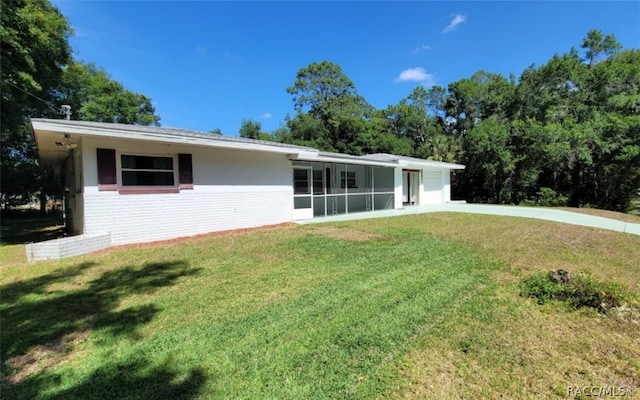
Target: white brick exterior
(237,183)
(232,190)
(67,247)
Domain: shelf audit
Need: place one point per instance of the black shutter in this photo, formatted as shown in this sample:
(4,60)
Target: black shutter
(107,175)
(185,171)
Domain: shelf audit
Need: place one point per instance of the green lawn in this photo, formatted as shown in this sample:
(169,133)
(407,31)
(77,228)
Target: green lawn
(411,307)
(14,232)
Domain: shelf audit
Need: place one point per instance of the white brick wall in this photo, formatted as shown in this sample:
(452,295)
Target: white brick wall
(67,247)
(232,190)
(150,217)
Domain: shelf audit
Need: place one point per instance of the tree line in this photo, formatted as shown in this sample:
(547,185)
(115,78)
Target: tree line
(563,133)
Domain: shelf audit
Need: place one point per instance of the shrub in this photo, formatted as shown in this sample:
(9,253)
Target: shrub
(578,291)
(548,197)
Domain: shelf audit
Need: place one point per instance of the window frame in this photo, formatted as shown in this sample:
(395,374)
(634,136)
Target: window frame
(348,182)
(138,189)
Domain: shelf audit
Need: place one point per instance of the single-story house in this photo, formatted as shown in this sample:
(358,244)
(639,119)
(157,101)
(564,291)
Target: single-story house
(131,184)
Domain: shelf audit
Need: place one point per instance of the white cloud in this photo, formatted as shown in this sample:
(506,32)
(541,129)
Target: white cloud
(457,20)
(229,54)
(266,116)
(417,74)
(421,48)
(201,50)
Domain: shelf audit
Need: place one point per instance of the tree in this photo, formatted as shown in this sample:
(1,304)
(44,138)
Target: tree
(94,96)
(490,162)
(35,47)
(323,92)
(319,86)
(251,129)
(597,46)
(34,37)
(38,73)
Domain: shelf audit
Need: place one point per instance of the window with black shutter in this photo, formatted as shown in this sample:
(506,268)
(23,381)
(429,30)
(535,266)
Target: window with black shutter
(185,171)
(107,173)
(141,174)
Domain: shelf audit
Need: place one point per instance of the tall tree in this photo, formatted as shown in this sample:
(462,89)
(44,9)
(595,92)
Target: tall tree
(34,37)
(94,96)
(324,92)
(490,161)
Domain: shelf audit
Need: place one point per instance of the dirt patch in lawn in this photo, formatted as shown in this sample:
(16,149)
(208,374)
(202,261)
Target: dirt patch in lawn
(346,234)
(41,357)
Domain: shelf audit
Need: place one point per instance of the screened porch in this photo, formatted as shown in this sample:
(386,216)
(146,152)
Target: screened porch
(328,188)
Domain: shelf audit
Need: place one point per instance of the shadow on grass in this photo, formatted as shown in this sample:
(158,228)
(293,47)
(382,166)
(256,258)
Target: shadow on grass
(49,314)
(130,380)
(27,230)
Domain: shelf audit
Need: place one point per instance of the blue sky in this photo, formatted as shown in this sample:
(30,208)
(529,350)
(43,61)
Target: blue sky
(209,64)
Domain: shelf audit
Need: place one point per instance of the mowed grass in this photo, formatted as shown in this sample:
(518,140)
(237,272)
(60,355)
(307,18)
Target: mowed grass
(15,232)
(423,306)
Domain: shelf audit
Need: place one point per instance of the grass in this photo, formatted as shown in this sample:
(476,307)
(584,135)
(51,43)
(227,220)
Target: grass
(633,216)
(14,232)
(410,307)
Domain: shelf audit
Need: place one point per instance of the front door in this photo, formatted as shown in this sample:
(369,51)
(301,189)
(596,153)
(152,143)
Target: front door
(410,187)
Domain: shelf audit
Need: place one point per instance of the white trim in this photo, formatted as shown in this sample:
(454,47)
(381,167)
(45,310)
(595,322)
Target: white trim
(109,131)
(302,213)
(120,169)
(340,160)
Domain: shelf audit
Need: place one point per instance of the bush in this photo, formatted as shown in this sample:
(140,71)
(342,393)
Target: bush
(548,197)
(578,291)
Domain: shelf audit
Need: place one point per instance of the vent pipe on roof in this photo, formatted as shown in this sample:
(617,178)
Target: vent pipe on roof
(66,110)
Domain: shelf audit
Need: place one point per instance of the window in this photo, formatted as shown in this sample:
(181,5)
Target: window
(301,181)
(147,171)
(349,180)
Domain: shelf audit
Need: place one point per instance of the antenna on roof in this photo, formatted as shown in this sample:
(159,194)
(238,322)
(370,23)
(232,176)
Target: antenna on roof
(66,110)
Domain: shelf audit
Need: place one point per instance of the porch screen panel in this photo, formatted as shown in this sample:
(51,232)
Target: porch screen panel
(336,204)
(359,179)
(301,202)
(336,183)
(383,201)
(318,206)
(359,203)
(383,180)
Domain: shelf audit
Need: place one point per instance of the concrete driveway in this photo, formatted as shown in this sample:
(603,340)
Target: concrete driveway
(547,214)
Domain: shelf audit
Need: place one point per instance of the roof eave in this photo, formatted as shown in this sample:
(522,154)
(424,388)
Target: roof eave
(110,132)
(315,157)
